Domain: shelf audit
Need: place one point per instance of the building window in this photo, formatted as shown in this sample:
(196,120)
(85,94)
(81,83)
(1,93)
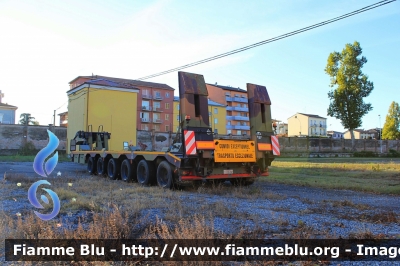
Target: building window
(229,123)
(239,132)
(166,105)
(215,121)
(239,105)
(166,128)
(156,117)
(229,131)
(156,127)
(215,110)
(167,96)
(146,105)
(156,105)
(209,113)
(216,130)
(167,117)
(244,105)
(177,117)
(177,106)
(157,94)
(144,127)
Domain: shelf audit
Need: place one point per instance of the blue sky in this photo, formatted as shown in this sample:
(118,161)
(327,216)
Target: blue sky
(46,44)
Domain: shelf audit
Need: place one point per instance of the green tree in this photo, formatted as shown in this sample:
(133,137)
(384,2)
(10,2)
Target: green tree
(350,85)
(27,119)
(391,128)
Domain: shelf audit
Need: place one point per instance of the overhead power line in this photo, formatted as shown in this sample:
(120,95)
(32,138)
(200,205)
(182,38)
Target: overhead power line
(320,24)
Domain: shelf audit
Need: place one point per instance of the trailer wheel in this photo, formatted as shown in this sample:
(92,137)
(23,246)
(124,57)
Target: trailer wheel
(128,173)
(92,165)
(113,169)
(242,181)
(145,172)
(101,167)
(164,175)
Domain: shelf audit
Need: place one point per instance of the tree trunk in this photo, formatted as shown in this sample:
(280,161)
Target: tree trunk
(353,145)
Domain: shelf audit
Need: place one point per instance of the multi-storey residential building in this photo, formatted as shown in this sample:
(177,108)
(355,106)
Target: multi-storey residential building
(7,112)
(216,112)
(306,125)
(237,110)
(280,128)
(363,134)
(63,119)
(154,104)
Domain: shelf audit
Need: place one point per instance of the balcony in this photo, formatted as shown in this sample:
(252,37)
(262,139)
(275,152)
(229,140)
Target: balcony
(238,117)
(157,121)
(238,127)
(146,108)
(147,96)
(158,98)
(157,109)
(146,120)
(236,99)
(236,108)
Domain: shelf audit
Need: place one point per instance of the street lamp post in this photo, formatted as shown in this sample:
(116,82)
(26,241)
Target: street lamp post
(380,129)
(300,125)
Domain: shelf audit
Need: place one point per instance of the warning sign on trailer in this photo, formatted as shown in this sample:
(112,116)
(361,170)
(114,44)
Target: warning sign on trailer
(234,151)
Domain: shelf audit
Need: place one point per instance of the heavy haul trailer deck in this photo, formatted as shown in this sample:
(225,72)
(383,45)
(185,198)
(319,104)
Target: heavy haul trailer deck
(195,153)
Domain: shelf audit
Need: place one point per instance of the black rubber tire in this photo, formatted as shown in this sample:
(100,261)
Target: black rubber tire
(242,181)
(128,171)
(145,173)
(165,175)
(101,167)
(92,165)
(113,169)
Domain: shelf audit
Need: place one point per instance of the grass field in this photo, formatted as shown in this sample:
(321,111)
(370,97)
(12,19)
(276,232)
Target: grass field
(377,175)
(95,207)
(29,158)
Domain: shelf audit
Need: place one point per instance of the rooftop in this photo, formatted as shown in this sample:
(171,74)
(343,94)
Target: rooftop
(310,115)
(7,106)
(229,88)
(130,82)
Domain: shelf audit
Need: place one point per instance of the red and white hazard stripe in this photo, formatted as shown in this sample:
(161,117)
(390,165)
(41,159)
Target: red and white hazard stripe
(275,145)
(190,142)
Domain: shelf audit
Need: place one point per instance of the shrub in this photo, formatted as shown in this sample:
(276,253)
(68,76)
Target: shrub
(27,149)
(393,153)
(365,154)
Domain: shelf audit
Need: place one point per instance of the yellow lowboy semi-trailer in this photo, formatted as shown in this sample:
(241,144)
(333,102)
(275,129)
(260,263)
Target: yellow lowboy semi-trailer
(195,153)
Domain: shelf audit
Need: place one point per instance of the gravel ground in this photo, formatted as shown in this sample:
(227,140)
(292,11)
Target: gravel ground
(337,213)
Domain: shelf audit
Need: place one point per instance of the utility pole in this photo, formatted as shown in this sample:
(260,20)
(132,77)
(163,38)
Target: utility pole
(54,118)
(380,129)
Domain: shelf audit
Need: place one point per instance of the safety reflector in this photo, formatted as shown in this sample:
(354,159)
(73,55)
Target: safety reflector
(205,145)
(190,142)
(275,145)
(264,146)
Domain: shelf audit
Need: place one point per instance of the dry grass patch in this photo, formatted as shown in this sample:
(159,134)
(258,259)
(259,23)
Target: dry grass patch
(361,175)
(347,203)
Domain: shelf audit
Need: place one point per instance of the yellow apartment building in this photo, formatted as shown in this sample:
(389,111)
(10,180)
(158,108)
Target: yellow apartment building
(216,112)
(106,106)
(306,125)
